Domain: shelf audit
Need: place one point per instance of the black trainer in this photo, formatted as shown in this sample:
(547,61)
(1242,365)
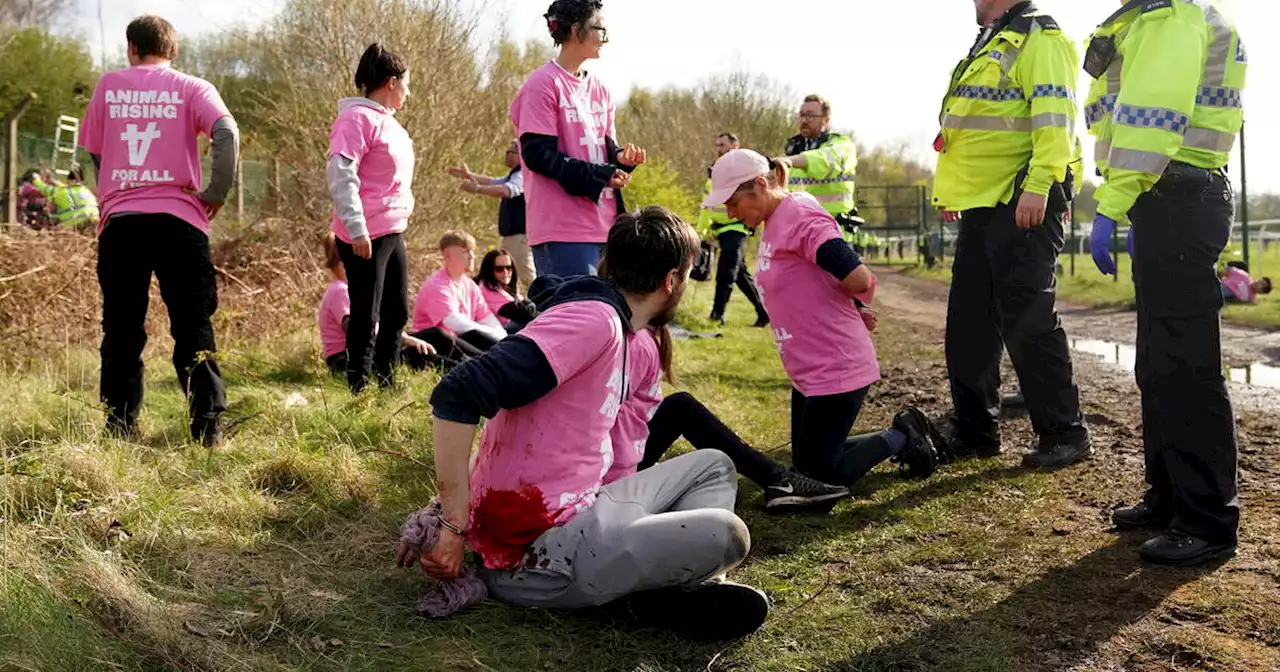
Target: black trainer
(1057,453)
(945,433)
(1140,517)
(798,490)
(717,610)
(121,429)
(762,321)
(919,457)
(207,431)
(1183,550)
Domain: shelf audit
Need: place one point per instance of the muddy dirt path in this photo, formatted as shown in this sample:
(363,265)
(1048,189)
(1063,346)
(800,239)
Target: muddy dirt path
(1102,339)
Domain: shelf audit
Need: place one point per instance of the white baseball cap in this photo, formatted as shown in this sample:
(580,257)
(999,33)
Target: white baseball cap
(731,171)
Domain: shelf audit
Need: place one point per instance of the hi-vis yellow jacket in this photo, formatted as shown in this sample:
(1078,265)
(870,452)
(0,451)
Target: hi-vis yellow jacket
(73,204)
(1010,106)
(1168,76)
(829,174)
(715,221)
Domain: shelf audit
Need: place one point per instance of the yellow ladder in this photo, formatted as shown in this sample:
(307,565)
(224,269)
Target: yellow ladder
(65,140)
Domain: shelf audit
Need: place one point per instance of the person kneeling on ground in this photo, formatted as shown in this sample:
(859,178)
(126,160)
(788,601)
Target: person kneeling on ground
(809,279)
(535,509)
(498,278)
(335,313)
(1238,287)
(450,312)
(648,425)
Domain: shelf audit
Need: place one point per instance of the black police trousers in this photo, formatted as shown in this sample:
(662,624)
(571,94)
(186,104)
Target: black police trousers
(130,249)
(731,269)
(1003,290)
(1188,430)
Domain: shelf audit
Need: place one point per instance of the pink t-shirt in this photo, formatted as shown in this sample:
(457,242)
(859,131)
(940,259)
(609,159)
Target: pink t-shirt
(631,431)
(580,113)
(1240,284)
(540,465)
(369,134)
(335,305)
(441,295)
(495,299)
(824,345)
(143,123)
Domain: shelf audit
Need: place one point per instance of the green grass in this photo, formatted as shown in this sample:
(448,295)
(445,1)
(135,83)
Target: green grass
(1090,287)
(275,551)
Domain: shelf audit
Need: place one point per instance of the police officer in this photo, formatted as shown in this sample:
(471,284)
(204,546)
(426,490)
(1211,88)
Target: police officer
(1165,108)
(74,205)
(731,235)
(824,164)
(1005,171)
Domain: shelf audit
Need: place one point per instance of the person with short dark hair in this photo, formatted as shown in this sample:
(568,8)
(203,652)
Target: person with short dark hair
(564,119)
(370,175)
(535,509)
(141,130)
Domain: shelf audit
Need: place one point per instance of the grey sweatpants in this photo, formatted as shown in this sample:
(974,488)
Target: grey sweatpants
(671,525)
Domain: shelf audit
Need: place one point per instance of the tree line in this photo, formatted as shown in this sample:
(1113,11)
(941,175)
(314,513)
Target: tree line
(283,79)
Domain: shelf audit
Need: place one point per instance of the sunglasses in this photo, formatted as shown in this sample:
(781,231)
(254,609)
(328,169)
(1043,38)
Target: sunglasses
(499,269)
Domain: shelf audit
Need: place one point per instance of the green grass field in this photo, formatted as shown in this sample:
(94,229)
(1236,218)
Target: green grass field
(275,551)
(1091,288)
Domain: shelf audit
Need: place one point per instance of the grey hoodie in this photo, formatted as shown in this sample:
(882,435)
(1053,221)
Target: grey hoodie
(343,177)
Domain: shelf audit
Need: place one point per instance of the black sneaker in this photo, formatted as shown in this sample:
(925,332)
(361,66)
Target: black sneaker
(1058,453)
(1183,550)
(945,433)
(122,430)
(717,319)
(1140,517)
(714,611)
(919,457)
(798,490)
(762,321)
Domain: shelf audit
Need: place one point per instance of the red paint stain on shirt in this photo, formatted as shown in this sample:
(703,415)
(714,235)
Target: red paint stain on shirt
(506,522)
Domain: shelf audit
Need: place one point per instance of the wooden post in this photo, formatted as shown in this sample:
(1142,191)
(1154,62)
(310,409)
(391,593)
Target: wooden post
(273,187)
(11,162)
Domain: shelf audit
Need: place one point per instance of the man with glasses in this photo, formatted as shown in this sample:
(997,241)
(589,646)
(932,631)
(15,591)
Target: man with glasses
(823,164)
(511,224)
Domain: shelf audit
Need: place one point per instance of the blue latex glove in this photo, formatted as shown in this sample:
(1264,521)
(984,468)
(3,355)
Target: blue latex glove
(1100,243)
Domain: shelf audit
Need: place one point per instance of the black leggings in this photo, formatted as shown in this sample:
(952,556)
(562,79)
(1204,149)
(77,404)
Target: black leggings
(379,288)
(450,349)
(821,447)
(682,415)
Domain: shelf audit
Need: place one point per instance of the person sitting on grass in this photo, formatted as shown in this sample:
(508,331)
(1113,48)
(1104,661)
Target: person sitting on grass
(809,279)
(648,425)
(335,313)
(535,508)
(450,312)
(498,278)
(1238,287)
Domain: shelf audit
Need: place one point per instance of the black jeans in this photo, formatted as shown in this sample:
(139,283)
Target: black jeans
(683,415)
(379,288)
(1003,290)
(1188,429)
(821,447)
(131,248)
(450,349)
(731,269)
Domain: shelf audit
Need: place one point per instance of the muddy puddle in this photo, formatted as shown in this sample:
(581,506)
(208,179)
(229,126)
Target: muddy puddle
(1258,374)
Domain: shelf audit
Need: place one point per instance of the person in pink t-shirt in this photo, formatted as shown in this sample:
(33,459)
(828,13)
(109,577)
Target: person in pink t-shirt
(334,315)
(535,508)
(450,312)
(809,278)
(648,425)
(370,175)
(564,120)
(1238,287)
(497,279)
(141,128)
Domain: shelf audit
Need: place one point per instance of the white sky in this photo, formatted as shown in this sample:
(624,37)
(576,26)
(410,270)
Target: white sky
(884,64)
